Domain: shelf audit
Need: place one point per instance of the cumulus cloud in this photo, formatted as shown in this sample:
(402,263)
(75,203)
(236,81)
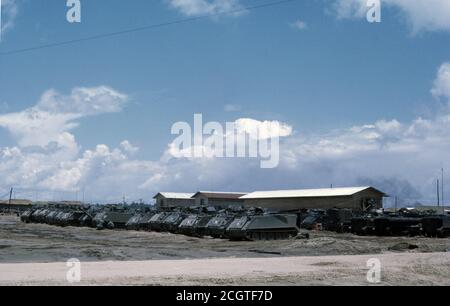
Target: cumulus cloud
(56,114)
(441,86)
(9,11)
(204,7)
(429,15)
(401,158)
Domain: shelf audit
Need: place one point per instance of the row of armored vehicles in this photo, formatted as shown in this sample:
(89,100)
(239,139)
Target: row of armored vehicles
(378,223)
(240,224)
(233,224)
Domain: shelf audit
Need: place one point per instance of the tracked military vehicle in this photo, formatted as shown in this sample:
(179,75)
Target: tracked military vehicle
(111,219)
(263,227)
(363,226)
(172,222)
(200,226)
(397,226)
(313,217)
(156,221)
(217,226)
(39,216)
(186,226)
(436,226)
(134,223)
(338,220)
(144,222)
(26,215)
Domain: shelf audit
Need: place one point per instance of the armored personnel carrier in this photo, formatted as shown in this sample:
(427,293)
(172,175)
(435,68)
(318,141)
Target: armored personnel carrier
(263,227)
(200,226)
(338,220)
(313,217)
(186,226)
(397,226)
(363,225)
(144,222)
(72,218)
(39,216)
(156,221)
(217,226)
(26,215)
(436,226)
(134,223)
(172,221)
(111,219)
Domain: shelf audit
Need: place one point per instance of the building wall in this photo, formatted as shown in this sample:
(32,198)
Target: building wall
(352,202)
(166,203)
(201,200)
(14,207)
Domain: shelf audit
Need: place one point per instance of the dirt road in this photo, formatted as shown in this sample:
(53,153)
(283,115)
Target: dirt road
(396,269)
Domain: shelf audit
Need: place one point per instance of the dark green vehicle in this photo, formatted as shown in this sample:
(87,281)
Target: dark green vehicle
(263,227)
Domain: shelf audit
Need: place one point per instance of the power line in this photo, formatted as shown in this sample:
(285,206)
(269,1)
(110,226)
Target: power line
(144,28)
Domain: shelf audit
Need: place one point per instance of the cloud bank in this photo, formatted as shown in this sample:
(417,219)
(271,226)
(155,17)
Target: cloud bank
(403,159)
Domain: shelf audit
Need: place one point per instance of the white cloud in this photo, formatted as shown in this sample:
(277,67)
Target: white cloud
(264,129)
(299,25)
(428,15)
(56,114)
(128,147)
(9,15)
(204,7)
(402,158)
(441,86)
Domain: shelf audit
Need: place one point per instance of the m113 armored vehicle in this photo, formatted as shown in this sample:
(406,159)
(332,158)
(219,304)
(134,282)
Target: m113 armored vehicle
(263,227)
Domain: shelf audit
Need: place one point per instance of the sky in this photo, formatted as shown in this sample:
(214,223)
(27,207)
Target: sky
(365,103)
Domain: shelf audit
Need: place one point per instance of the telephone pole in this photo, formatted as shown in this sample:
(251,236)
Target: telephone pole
(442,190)
(438,195)
(9,202)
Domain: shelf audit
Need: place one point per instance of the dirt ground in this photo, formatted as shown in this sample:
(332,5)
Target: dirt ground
(407,260)
(396,269)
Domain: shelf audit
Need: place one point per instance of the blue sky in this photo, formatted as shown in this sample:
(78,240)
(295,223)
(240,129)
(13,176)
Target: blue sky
(336,73)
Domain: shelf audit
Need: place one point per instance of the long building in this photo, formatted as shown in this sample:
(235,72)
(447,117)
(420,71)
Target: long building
(356,198)
(218,199)
(15,205)
(174,199)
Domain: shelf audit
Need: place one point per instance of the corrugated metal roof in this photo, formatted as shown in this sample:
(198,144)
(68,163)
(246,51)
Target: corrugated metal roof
(221,195)
(306,193)
(175,195)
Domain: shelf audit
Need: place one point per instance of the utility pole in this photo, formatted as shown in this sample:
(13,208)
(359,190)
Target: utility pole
(10,197)
(396,203)
(438,195)
(442,190)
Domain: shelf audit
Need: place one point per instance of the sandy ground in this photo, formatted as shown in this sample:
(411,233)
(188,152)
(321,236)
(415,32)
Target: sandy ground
(36,254)
(396,269)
